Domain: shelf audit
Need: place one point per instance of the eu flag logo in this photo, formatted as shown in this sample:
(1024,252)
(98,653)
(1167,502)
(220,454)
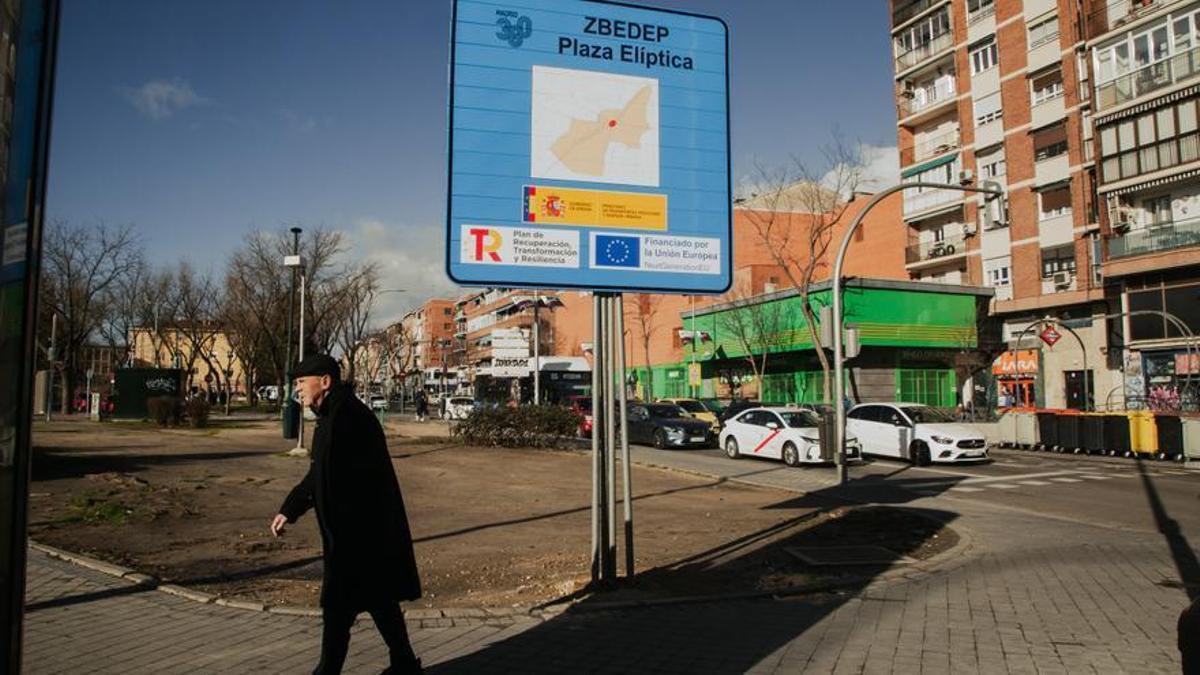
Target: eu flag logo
(618,251)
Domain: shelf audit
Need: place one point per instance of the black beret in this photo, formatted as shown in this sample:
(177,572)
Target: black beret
(319,364)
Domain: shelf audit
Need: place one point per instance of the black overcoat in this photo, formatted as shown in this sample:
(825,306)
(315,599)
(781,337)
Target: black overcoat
(351,484)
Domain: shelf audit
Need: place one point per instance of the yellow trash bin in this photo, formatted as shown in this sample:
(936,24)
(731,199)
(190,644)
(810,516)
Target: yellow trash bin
(1143,433)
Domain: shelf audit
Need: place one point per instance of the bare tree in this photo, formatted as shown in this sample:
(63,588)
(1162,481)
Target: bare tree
(195,326)
(643,312)
(356,298)
(399,350)
(794,212)
(81,265)
(326,287)
(757,325)
(257,293)
(124,301)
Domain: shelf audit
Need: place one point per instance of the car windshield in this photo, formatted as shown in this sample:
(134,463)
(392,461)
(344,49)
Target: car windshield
(584,404)
(799,419)
(665,411)
(926,415)
(693,406)
(712,404)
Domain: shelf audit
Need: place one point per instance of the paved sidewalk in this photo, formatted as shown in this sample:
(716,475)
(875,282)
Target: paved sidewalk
(1031,595)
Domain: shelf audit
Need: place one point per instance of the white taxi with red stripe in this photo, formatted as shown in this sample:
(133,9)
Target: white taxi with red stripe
(788,434)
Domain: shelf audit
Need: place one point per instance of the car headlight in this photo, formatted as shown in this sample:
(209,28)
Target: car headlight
(673,431)
(944,440)
(811,440)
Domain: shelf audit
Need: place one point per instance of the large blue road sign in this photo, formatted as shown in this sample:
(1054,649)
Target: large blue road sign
(589,147)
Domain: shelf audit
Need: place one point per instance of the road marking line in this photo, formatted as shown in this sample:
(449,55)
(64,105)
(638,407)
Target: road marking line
(976,479)
(966,489)
(1004,486)
(1094,476)
(1034,483)
(1067,480)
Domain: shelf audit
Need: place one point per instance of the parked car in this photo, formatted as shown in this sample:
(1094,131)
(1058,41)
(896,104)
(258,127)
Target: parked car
(667,426)
(458,407)
(714,406)
(582,406)
(915,432)
(789,434)
(696,409)
(735,408)
(378,402)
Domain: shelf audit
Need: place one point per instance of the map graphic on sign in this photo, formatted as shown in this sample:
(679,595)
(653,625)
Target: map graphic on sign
(591,126)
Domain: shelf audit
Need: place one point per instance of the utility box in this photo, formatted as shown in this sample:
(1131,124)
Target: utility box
(132,387)
(826,433)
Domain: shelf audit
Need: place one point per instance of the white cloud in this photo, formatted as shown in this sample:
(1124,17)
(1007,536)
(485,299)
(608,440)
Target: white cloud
(410,257)
(297,121)
(160,99)
(881,167)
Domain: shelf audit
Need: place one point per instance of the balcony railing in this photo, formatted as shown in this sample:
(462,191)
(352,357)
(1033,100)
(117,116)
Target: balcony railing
(932,250)
(916,202)
(1050,285)
(941,91)
(1162,237)
(981,13)
(924,51)
(1113,14)
(1148,79)
(907,11)
(936,145)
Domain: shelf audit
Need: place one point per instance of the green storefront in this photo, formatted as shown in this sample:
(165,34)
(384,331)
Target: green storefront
(920,343)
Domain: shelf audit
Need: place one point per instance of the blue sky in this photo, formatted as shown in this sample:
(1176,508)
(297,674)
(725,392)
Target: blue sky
(201,121)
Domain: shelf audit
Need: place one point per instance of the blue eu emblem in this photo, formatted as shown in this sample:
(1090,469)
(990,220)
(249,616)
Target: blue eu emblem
(618,251)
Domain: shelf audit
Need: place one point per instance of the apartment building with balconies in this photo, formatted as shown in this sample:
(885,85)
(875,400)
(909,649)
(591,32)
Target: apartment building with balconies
(999,90)
(1146,60)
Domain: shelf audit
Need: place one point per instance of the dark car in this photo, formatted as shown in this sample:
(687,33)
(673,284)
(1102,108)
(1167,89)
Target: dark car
(667,426)
(736,408)
(714,406)
(582,406)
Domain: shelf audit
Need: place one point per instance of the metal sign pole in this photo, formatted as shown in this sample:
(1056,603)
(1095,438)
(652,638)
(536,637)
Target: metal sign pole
(626,485)
(597,430)
(610,437)
(537,350)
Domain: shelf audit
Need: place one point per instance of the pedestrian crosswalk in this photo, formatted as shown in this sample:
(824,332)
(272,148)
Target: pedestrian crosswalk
(976,482)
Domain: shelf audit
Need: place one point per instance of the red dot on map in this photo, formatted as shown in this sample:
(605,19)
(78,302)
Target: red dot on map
(612,123)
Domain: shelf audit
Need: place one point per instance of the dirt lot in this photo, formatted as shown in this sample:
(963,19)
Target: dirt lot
(493,527)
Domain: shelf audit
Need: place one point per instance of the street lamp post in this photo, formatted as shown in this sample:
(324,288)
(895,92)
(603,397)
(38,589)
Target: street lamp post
(292,262)
(995,190)
(299,450)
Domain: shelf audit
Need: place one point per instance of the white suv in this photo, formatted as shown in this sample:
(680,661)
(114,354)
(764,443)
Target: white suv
(914,432)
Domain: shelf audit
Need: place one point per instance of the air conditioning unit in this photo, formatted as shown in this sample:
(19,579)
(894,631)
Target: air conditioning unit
(966,176)
(1061,280)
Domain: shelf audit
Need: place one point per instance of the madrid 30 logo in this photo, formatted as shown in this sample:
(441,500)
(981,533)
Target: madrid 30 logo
(514,28)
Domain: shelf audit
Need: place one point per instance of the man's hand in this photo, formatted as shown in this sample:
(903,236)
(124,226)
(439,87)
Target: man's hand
(279,525)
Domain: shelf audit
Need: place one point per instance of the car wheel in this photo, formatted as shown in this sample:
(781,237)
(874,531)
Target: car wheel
(660,439)
(918,454)
(731,448)
(791,456)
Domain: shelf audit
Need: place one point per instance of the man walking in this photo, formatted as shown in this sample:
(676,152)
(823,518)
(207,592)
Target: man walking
(422,405)
(367,546)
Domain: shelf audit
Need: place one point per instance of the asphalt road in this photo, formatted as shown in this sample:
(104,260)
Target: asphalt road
(1115,493)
